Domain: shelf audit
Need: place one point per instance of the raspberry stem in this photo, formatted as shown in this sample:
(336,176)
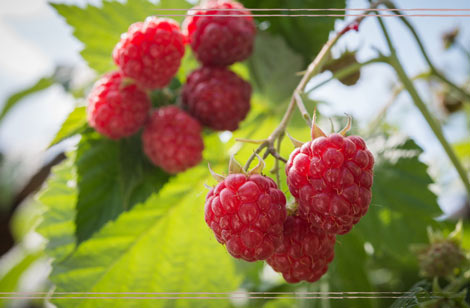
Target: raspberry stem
(419,103)
(296,100)
(431,65)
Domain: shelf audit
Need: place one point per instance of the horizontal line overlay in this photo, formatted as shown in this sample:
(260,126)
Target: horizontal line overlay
(214,297)
(218,295)
(316,15)
(320,10)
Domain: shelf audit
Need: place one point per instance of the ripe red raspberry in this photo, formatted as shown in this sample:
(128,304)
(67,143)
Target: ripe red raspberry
(150,52)
(117,110)
(305,252)
(220,40)
(172,140)
(331,179)
(217,97)
(247,213)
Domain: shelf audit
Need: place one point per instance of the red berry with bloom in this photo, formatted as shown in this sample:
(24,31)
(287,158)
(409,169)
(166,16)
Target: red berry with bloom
(172,140)
(150,52)
(117,109)
(217,97)
(305,252)
(220,40)
(331,178)
(246,212)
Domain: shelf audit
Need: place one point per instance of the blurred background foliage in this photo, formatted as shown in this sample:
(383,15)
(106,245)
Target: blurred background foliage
(84,233)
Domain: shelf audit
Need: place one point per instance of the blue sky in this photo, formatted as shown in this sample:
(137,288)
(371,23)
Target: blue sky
(35,40)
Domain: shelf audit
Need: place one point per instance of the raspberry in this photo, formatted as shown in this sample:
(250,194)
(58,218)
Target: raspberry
(305,252)
(247,213)
(172,140)
(220,40)
(331,179)
(217,97)
(150,52)
(117,110)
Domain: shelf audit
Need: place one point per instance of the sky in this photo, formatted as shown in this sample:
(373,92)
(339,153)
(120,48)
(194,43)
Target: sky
(35,39)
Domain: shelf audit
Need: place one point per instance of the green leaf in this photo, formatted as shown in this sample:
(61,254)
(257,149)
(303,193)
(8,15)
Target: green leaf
(401,209)
(14,99)
(274,67)
(162,245)
(410,299)
(402,205)
(74,124)
(59,197)
(105,24)
(113,176)
(306,35)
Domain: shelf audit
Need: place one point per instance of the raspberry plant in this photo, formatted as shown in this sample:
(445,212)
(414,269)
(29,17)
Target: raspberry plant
(125,211)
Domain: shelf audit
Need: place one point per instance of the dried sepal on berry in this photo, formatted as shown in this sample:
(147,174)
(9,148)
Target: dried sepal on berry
(218,177)
(295,142)
(234,167)
(346,129)
(259,167)
(316,131)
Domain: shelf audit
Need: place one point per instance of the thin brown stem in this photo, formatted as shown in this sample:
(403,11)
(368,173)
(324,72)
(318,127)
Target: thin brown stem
(302,109)
(276,163)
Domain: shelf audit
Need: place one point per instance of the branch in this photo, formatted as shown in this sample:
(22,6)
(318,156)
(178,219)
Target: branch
(431,65)
(349,70)
(312,70)
(419,103)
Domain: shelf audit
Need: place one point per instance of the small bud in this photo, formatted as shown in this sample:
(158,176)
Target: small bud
(347,59)
(440,259)
(449,37)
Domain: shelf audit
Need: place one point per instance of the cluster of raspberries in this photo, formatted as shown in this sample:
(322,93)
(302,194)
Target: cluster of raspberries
(148,57)
(330,178)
